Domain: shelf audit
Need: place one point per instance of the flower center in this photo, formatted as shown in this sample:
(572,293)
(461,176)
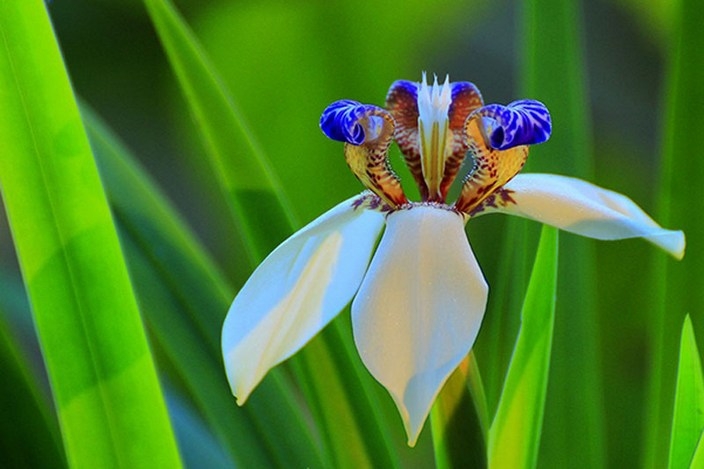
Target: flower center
(436,126)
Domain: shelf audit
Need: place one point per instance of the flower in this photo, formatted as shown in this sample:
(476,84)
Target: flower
(419,303)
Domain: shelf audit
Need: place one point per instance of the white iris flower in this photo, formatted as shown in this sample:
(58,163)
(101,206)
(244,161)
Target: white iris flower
(417,307)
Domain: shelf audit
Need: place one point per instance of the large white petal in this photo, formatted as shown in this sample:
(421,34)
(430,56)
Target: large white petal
(295,292)
(583,208)
(419,308)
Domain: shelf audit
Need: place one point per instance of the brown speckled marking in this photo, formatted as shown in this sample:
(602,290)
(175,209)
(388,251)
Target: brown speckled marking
(403,106)
(371,201)
(499,198)
(369,162)
(492,168)
(463,103)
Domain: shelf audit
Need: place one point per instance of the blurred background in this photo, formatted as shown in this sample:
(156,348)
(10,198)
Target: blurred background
(284,61)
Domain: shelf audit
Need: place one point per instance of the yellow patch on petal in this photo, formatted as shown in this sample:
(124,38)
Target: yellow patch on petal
(492,168)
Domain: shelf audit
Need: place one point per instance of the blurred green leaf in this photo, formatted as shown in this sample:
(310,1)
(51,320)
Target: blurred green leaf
(677,285)
(459,419)
(553,67)
(514,437)
(262,212)
(285,62)
(94,346)
(184,299)
(196,442)
(688,418)
(242,170)
(29,433)
(551,46)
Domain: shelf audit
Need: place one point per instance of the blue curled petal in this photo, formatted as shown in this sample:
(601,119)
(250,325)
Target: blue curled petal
(524,122)
(340,121)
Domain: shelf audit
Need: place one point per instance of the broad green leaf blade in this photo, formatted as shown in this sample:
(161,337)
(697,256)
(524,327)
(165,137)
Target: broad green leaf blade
(514,437)
(688,418)
(677,284)
(459,419)
(93,343)
(554,73)
(184,299)
(262,212)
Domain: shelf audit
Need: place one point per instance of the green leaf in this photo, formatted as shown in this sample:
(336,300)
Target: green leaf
(677,284)
(101,370)
(335,403)
(554,72)
(551,51)
(196,442)
(184,299)
(698,458)
(459,419)
(688,418)
(514,437)
(242,170)
(265,217)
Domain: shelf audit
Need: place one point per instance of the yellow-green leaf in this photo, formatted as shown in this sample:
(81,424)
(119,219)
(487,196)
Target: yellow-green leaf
(688,418)
(93,343)
(514,437)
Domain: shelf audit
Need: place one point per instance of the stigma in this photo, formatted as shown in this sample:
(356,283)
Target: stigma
(433,131)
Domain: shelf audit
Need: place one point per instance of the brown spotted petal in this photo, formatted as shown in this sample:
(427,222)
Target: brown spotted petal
(402,103)
(367,132)
(498,138)
(466,98)
(492,168)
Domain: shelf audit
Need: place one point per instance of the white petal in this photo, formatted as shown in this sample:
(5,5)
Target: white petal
(295,292)
(419,308)
(583,208)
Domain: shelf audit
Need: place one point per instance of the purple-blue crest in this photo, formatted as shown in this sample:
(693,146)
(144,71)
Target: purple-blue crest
(340,121)
(524,122)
